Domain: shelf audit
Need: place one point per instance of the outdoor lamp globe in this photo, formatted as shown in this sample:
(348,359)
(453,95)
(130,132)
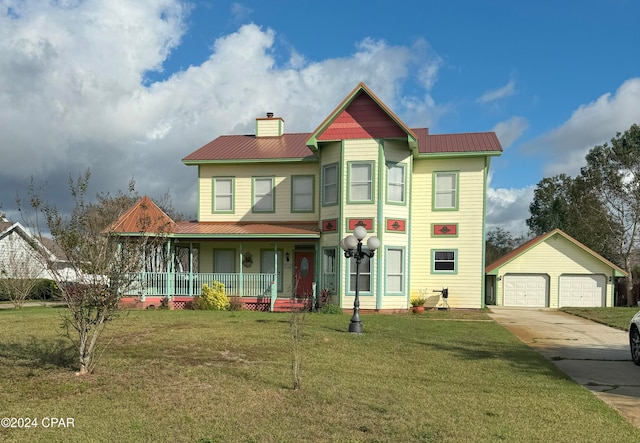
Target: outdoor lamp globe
(373,243)
(360,232)
(350,242)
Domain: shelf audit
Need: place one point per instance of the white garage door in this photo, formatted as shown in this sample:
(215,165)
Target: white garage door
(526,290)
(582,290)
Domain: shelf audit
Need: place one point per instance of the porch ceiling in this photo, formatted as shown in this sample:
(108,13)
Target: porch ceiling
(246,230)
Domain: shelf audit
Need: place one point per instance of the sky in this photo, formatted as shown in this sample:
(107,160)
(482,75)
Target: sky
(127,89)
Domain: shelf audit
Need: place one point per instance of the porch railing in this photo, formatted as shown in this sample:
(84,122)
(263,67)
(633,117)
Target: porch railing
(190,284)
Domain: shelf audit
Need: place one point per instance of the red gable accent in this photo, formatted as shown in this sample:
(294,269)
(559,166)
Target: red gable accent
(363,118)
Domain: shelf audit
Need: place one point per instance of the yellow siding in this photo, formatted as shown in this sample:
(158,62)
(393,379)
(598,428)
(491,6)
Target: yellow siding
(554,257)
(243,193)
(465,287)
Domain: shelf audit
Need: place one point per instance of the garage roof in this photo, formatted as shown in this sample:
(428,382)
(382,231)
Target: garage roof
(494,267)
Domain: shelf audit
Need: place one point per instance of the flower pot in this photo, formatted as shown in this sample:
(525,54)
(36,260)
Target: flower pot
(417,309)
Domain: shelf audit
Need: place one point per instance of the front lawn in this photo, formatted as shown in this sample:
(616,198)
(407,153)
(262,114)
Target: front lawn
(617,317)
(195,376)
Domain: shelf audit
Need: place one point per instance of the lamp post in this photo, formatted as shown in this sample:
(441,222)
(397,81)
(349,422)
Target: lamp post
(352,246)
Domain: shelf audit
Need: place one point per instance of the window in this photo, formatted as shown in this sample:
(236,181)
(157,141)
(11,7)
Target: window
(302,193)
(330,185)
(445,261)
(445,186)
(395,183)
(364,284)
(263,200)
(268,265)
(223,194)
(224,261)
(360,182)
(329,269)
(395,270)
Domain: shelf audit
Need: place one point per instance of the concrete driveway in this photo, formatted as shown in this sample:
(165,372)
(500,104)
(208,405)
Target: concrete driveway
(594,355)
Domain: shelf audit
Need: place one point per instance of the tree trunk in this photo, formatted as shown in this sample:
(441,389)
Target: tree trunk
(629,282)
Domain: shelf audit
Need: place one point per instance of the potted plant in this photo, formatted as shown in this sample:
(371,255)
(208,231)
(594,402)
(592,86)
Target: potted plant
(417,304)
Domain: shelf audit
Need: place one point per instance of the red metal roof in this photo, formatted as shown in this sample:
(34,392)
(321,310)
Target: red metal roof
(249,147)
(360,115)
(243,229)
(465,142)
(143,217)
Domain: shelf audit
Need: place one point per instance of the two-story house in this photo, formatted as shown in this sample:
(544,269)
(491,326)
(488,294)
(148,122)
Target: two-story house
(274,207)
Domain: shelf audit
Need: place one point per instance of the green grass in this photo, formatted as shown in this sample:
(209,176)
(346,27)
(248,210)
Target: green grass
(618,317)
(195,376)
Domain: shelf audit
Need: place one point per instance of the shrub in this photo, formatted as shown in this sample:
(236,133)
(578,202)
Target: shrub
(331,308)
(213,298)
(45,290)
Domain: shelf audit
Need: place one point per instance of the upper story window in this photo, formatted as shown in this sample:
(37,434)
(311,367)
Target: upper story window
(263,194)
(330,185)
(396,183)
(360,182)
(302,193)
(223,194)
(445,190)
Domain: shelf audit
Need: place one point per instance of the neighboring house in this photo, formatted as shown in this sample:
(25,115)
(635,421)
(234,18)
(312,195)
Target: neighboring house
(19,257)
(552,270)
(274,206)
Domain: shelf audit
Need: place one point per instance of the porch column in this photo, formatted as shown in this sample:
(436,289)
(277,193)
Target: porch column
(190,292)
(241,282)
(168,271)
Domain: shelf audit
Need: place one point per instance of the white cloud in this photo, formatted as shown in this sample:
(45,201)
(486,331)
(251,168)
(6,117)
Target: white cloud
(500,93)
(510,130)
(590,125)
(74,93)
(508,208)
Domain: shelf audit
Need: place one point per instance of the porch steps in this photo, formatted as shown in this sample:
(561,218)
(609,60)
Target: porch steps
(289,304)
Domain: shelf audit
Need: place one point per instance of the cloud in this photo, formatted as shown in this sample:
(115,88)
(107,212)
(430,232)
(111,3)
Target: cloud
(75,93)
(590,125)
(500,93)
(508,208)
(510,130)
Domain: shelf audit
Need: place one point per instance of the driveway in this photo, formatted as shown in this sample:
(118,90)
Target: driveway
(594,355)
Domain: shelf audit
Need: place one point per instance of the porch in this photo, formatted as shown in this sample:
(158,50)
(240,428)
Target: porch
(255,291)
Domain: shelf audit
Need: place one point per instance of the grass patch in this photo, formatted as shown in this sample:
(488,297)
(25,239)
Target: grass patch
(225,377)
(616,317)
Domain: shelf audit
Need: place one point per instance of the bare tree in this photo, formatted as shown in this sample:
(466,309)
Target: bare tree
(102,266)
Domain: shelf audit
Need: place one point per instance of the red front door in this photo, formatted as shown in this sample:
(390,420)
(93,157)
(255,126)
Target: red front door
(303,275)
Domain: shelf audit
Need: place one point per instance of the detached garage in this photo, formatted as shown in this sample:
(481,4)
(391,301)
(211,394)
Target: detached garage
(552,270)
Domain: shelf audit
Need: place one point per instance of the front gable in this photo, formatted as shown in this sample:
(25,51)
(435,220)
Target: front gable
(361,115)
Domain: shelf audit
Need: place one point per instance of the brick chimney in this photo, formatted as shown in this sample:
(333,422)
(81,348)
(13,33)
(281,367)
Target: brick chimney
(269,126)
